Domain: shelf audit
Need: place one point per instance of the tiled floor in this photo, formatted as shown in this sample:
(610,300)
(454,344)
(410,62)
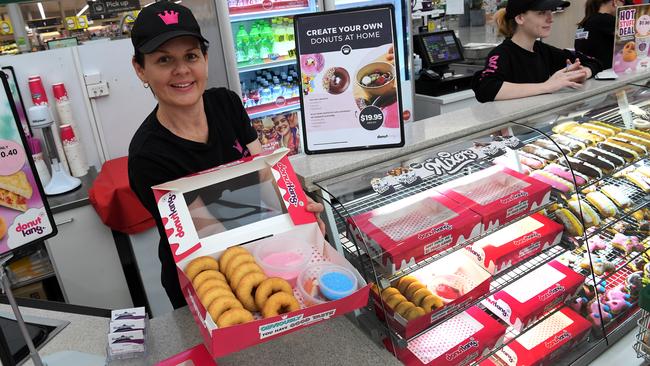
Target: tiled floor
(621,353)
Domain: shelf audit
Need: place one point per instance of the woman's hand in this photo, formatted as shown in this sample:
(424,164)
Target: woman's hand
(563,78)
(316,208)
(577,66)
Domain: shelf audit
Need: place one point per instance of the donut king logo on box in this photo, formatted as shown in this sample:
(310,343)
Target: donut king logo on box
(500,306)
(436,230)
(551,291)
(173,215)
(559,338)
(27,227)
(287,324)
(478,252)
(513,197)
(528,237)
(471,343)
(287,188)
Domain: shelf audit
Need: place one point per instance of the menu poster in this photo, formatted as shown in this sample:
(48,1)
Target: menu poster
(25,216)
(279,130)
(18,99)
(350,94)
(632,39)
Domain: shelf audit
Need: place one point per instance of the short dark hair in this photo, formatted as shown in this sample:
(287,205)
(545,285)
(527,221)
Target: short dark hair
(139,56)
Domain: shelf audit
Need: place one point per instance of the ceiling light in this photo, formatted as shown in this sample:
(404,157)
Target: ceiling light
(41,10)
(82,10)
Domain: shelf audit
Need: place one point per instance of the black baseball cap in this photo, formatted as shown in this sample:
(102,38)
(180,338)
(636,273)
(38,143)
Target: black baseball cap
(160,22)
(516,7)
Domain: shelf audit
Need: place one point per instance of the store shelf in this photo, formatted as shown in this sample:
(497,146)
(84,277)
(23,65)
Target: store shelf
(257,13)
(267,64)
(274,108)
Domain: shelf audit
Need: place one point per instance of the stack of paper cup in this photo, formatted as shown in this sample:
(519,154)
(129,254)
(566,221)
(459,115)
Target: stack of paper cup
(74,152)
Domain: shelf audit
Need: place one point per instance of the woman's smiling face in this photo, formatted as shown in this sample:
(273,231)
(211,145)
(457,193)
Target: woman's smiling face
(177,72)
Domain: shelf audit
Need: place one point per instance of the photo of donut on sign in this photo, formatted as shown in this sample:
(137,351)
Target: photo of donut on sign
(24,214)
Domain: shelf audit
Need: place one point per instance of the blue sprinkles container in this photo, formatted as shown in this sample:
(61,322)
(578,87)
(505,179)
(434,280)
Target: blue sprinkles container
(336,282)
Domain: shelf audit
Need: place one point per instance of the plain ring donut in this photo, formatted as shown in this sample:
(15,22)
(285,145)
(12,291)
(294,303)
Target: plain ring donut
(237,261)
(394,300)
(199,265)
(246,289)
(229,254)
(234,317)
(222,304)
(269,287)
(388,293)
(242,271)
(404,282)
(212,283)
(280,303)
(213,294)
(207,275)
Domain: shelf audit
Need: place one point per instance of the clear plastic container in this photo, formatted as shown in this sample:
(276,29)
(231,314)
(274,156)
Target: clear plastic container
(336,282)
(308,285)
(284,258)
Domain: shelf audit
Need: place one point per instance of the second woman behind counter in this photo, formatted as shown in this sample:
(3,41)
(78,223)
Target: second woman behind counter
(595,34)
(522,66)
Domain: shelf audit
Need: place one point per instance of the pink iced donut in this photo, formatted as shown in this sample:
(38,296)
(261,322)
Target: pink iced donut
(531,160)
(554,181)
(617,306)
(564,173)
(627,243)
(596,243)
(594,314)
(617,293)
(578,304)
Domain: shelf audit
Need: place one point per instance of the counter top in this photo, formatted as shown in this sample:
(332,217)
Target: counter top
(436,130)
(76,198)
(333,342)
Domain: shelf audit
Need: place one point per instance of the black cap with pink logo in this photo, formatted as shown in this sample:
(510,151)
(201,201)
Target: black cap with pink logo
(160,22)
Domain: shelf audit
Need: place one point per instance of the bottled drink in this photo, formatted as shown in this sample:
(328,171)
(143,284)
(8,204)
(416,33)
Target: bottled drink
(278,37)
(241,45)
(277,89)
(288,89)
(255,39)
(266,43)
(265,93)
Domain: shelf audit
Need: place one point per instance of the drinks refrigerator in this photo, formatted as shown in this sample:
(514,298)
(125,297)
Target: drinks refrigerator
(259,51)
(403,40)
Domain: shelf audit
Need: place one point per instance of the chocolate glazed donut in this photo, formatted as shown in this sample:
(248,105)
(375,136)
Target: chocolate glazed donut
(336,80)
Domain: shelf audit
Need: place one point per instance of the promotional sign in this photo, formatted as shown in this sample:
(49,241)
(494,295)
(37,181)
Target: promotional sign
(25,216)
(350,94)
(279,130)
(18,99)
(6,28)
(71,23)
(632,39)
(105,7)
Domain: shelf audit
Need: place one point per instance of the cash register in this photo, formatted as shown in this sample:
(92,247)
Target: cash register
(441,72)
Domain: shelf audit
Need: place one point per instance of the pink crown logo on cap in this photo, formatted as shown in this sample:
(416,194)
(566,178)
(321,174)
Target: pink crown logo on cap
(169,17)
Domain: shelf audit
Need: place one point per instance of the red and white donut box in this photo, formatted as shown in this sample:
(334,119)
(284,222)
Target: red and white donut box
(268,181)
(455,270)
(405,232)
(524,301)
(458,341)
(514,243)
(547,340)
(500,195)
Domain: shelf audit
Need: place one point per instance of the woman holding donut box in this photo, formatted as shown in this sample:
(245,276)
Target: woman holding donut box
(522,66)
(191,129)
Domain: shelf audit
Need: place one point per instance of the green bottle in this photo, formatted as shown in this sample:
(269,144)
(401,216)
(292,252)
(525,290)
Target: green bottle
(266,44)
(241,45)
(255,38)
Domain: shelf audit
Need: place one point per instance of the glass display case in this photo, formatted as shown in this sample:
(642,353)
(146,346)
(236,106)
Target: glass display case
(524,244)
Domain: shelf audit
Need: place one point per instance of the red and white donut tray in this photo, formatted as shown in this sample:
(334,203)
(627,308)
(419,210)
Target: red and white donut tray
(525,300)
(454,271)
(405,232)
(500,195)
(283,202)
(458,341)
